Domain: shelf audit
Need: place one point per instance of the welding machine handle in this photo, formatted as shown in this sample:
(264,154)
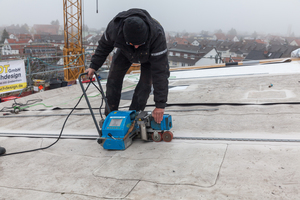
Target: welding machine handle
(101,89)
(88,102)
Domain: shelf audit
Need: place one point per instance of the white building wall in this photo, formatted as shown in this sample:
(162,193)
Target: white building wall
(177,64)
(12,36)
(293,43)
(208,59)
(195,43)
(235,39)
(6,50)
(233,54)
(225,54)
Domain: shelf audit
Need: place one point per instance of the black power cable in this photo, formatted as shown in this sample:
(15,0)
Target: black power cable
(32,150)
(17,106)
(102,99)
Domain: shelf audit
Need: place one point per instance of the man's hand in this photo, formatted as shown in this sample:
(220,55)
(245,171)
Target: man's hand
(158,114)
(90,72)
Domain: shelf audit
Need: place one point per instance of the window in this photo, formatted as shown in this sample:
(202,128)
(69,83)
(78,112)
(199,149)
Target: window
(177,54)
(171,53)
(185,55)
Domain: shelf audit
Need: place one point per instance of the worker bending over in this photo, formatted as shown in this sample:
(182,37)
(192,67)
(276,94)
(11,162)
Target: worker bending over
(138,38)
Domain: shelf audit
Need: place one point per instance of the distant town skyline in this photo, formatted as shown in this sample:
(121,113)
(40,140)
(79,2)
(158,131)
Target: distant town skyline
(266,17)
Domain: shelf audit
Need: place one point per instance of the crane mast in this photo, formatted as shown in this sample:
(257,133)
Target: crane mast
(73,49)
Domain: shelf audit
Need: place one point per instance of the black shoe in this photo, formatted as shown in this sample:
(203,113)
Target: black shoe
(2,150)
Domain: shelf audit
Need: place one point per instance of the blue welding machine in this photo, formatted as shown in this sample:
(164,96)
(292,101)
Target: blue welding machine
(118,129)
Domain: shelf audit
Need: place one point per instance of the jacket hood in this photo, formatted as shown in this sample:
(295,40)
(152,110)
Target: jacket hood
(143,14)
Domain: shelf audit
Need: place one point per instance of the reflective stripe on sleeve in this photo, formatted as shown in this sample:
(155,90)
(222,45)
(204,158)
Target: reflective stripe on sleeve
(105,36)
(159,53)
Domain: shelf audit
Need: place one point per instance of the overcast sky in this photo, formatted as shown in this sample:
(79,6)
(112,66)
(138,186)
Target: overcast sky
(262,16)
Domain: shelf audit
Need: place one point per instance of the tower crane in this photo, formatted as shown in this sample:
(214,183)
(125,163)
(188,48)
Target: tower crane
(73,49)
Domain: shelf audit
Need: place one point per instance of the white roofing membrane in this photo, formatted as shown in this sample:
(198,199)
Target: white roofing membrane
(216,166)
(261,69)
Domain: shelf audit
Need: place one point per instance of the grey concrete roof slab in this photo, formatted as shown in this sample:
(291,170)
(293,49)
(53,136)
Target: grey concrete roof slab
(236,136)
(166,163)
(67,170)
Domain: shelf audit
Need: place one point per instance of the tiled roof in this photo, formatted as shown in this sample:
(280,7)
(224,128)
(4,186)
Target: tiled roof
(46,29)
(297,41)
(14,41)
(260,41)
(189,48)
(220,36)
(180,41)
(261,55)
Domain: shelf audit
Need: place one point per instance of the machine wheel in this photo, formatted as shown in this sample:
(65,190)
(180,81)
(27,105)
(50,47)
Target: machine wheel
(167,136)
(157,138)
(16,110)
(99,141)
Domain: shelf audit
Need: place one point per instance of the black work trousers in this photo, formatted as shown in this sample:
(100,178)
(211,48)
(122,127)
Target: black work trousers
(119,66)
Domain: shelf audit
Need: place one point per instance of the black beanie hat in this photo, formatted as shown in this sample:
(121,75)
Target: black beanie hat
(135,30)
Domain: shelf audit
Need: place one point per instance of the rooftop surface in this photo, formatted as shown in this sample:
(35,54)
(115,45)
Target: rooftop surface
(236,136)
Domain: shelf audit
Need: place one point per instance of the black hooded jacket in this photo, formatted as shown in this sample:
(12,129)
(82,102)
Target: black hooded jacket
(153,51)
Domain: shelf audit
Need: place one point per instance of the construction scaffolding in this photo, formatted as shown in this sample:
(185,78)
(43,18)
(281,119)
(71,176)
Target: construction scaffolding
(73,50)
